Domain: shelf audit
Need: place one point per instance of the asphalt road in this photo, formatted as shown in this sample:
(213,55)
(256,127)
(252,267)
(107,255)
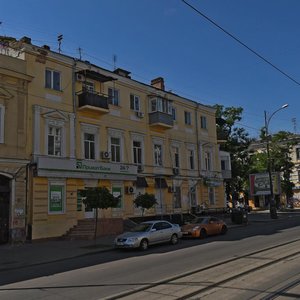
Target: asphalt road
(111,273)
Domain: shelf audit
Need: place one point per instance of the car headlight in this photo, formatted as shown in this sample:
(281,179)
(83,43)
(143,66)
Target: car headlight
(196,227)
(132,240)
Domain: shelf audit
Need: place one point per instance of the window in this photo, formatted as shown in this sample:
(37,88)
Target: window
(2,113)
(298,153)
(157,155)
(137,152)
(176,157)
(161,105)
(207,159)
(89,146)
(177,197)
(211,195)
(56,198)
(174,113)
(203,122)
(193,198)
(192,159)
(115,148)
(88,86)
(134,102)
(223,165)
(298,175)
(52,80)
(54,141)
(187,118)
(113,96)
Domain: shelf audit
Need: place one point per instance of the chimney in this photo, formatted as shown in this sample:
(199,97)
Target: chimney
(158,83)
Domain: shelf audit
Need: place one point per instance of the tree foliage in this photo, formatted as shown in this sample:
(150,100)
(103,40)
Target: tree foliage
(99,197)
(145,201)
(236,141)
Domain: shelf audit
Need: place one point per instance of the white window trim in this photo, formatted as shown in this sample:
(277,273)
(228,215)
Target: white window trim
(113,96)
(52,81)
(138,98)
(138,138)
(59,124)
(2,123)
(116,134)
(158,141)
(92,129)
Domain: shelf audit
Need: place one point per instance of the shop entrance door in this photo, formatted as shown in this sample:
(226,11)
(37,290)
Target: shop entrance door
(4,209)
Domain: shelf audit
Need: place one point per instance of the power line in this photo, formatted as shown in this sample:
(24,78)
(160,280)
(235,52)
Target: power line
(241,43)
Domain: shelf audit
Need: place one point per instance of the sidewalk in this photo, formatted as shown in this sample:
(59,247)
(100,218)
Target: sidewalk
(14,256)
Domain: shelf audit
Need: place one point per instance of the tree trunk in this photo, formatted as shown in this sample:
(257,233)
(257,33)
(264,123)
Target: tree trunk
(96,225)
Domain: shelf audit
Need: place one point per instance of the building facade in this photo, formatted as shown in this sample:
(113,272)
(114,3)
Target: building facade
(87,126)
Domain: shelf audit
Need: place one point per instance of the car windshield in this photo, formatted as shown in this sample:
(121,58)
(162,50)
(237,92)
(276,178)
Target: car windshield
(199,221)
(143,227)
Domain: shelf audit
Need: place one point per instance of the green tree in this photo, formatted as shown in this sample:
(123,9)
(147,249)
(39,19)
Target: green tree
(281,145)
(145,201)
(99,198)
(236,141)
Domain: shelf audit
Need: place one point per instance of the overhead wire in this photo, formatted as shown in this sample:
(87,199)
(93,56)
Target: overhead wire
(240,42)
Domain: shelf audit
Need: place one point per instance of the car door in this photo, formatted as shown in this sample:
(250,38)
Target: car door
(166,231)
(155,233)
(214,226)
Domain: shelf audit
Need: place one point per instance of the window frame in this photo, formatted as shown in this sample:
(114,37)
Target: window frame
(52,84)
(187,118)
(135,102)
(203,122)
(158,157)
(115,149)
(113,96)
(191,158)
(54,140)
(91,155)
(211,195)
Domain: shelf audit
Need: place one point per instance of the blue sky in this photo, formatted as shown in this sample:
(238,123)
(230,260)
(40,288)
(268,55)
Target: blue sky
(167,38)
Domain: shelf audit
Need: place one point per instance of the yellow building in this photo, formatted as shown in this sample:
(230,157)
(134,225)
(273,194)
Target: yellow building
(89,127)
(14,149)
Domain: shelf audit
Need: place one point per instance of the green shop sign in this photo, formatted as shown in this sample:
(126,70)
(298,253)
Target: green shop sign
(56,196)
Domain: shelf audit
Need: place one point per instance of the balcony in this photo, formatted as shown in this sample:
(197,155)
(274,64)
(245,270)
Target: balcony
(226,174)
(161,121)
(91,101)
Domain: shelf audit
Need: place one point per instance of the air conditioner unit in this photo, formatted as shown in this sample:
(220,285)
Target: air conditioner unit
(105,155)
(129,190)
(175,171)
(80,77)
(139,114)
(140,168)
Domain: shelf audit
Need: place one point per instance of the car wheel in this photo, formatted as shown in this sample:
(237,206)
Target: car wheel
(144,245)
(174,239)
(224,229)
(203,234)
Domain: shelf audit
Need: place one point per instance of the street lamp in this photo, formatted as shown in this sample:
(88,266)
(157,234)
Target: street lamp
(273,211)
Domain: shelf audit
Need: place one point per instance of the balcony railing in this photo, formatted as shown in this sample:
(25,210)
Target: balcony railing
(226,174)
(160,119)
(90,100)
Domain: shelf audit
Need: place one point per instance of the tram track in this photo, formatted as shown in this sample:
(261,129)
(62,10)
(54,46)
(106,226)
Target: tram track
(261,259)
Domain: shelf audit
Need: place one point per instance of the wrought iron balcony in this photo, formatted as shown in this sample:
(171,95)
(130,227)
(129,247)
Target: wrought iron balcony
(160,120)
(93,101)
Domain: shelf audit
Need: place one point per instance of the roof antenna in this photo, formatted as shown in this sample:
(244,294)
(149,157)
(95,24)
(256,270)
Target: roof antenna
(114,60)
(294,121)
(59,39)
(80,53)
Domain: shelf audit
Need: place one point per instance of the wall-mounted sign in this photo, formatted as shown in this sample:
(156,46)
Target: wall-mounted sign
(56,198)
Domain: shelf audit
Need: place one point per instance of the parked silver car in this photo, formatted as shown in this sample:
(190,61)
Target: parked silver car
(149,233)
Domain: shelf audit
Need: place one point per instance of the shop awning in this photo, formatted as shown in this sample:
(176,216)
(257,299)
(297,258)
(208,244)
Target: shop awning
(161,183)
(141,182)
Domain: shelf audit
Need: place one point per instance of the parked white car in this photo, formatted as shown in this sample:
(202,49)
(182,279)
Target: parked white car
(149,233)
